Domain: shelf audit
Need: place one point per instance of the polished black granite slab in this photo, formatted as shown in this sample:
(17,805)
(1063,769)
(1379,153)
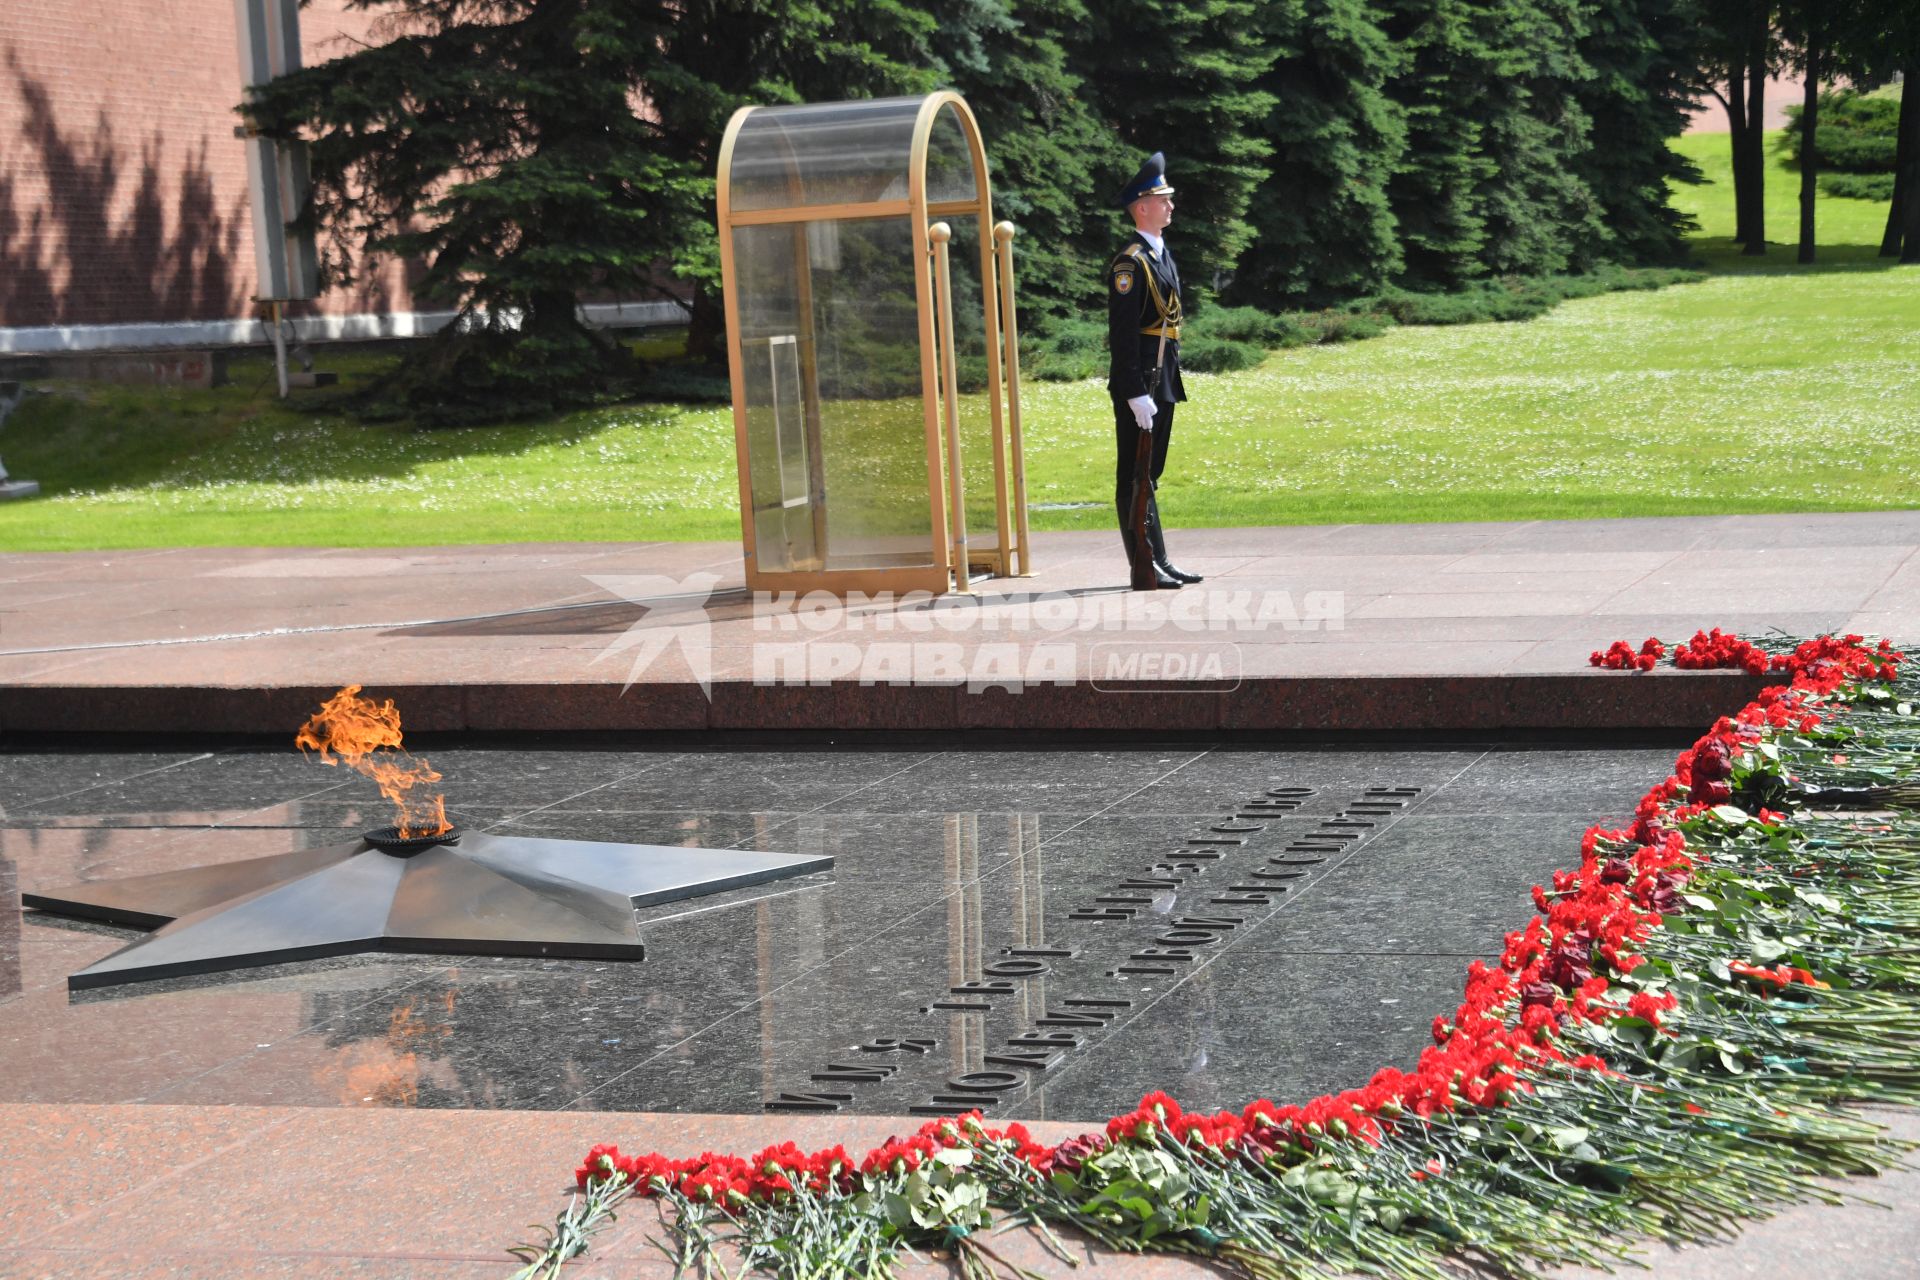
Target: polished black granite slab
(1223,922)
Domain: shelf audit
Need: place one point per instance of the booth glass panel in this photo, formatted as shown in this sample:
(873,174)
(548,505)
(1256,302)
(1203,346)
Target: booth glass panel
(949,160)
(836,427)
(775,400)
(844,153)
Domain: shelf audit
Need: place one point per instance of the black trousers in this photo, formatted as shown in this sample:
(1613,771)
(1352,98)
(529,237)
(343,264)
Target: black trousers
(1126,436)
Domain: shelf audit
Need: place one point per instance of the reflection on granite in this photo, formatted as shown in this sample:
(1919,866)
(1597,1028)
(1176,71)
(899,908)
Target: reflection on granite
(1602,784)
(1102,914)
(27,779)
(1263,1025)
(9,931)
(1433,885)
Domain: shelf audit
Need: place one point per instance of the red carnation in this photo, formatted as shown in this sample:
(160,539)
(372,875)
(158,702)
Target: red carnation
(1074,1152)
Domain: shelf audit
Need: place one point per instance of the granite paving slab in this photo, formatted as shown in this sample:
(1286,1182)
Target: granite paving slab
(600,637)
(290,1192)
(1213,918)
(976,897)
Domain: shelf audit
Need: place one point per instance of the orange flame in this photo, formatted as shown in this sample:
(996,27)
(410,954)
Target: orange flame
(364,735)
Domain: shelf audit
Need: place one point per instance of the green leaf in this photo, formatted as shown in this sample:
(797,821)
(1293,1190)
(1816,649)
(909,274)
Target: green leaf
(1631,1030)
(1327,1187)
(1814,898)
(1569,1138)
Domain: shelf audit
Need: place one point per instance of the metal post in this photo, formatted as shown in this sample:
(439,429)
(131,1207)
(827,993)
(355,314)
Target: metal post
(990,324)
(1003,234)
(940,233)
(279,343)
(285,262)
(810,399)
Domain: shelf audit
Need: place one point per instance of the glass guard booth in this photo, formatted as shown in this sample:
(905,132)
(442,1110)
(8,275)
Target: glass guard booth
(873,344)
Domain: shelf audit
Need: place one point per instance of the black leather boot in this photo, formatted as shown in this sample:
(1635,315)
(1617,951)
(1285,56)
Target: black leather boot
(1163,581)
(1158,539)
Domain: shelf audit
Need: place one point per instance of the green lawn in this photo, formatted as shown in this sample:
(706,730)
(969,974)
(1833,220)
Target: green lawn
(1769,387)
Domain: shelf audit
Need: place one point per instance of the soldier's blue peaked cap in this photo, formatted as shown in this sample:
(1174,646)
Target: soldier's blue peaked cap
(1150,181)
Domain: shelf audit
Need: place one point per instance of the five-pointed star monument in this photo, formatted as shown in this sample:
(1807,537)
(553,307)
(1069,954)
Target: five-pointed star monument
(467,893)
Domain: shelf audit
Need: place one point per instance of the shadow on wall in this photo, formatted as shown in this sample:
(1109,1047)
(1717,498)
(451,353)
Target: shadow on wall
(92,254)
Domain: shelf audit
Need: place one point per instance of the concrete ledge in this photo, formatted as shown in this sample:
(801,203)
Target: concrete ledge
(250,331)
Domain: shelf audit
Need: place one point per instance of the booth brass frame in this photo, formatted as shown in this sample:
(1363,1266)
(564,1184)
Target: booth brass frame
(952,562)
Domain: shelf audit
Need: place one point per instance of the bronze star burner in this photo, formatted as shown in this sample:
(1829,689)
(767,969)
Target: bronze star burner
(420,885)
(455,893)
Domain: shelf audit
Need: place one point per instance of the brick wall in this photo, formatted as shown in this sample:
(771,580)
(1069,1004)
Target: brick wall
(123,192)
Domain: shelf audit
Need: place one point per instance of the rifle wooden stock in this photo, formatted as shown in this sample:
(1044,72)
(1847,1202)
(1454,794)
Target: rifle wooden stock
(1140,548)
(1140,561)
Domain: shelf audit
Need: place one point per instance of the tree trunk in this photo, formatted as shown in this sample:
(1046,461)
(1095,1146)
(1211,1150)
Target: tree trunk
(1736,104)
(1910,230)
(1809,146)
(1755,141)
(707,329)
(1906,154)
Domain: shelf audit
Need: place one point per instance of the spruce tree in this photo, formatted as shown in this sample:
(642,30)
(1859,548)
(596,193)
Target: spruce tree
(1324,227)
(1044,143)
(1539,213)
(1643,54)
(1441,66)
(527,151)
(720,55)
(1183,79)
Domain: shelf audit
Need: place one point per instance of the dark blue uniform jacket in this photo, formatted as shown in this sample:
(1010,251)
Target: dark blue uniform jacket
(1143,295)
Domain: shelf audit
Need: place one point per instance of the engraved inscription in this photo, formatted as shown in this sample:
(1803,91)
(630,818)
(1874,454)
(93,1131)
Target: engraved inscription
(993,1063)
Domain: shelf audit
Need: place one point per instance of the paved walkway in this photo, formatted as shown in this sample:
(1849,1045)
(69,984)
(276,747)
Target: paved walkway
(143,1192)
(1480,627)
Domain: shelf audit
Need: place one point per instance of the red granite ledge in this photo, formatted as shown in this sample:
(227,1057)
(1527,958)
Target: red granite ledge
(744,705)
(580,707)
(1114,705)
(207,709)
(1577,700)
(1371,704)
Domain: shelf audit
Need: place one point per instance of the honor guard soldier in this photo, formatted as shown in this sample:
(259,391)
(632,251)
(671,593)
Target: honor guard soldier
(1143,375)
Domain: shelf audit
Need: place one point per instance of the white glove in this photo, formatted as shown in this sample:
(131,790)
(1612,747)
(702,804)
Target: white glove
(1142,407)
